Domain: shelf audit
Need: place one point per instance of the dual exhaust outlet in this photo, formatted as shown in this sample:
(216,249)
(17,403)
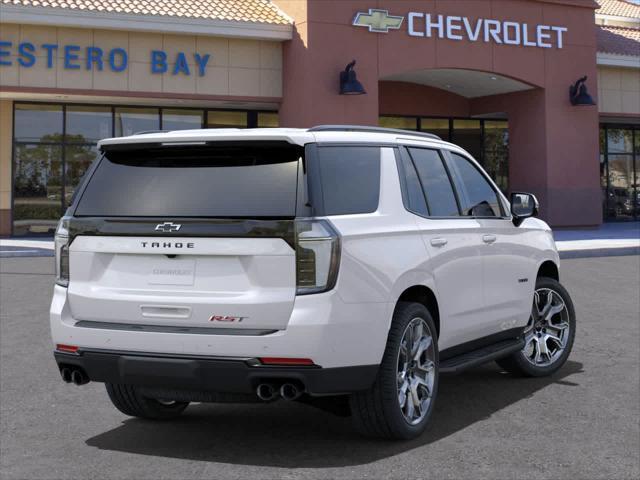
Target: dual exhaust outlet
(269,392)
(73,375)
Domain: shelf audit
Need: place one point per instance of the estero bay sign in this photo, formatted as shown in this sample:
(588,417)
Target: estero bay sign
(75,57)
(452,27)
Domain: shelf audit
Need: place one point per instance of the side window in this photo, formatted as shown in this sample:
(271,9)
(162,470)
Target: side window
(441,200)
(412,193)
(477,197)
(350,179)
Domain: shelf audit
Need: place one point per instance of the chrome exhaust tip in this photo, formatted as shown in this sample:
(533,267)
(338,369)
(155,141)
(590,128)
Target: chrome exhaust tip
(290,391)
(78,377)
(266,392)
(65,373)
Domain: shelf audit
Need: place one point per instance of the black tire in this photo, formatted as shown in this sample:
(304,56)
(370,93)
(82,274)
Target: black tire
(376,412)
(128,400)
(518,364)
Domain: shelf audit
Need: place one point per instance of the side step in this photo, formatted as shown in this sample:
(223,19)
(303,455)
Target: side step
(477,357)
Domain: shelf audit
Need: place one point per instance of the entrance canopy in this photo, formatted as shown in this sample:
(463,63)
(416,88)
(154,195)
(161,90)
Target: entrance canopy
(466,83)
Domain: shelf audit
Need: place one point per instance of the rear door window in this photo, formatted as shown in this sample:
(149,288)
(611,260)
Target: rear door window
(222,180)
(349,180)
(441,200)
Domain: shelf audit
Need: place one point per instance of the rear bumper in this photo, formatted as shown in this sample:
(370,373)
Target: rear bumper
(322,327)
(202,374)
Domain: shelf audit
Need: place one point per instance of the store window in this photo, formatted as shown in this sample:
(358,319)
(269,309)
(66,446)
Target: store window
(268,120)
(227,119)
(38,123)
(437,126)
(404,123)
(37,188)
(87,124)
(135,120)
(54,145)
(181,119)
(495,158)
(468,134)
(620,172)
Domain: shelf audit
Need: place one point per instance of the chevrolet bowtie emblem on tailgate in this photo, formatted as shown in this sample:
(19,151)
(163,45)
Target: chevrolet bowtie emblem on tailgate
(378,20)
(167,227)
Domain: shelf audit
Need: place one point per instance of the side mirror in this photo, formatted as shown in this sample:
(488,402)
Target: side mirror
(523,205)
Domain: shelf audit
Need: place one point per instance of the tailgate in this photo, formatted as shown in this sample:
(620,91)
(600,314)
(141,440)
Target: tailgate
(212,283)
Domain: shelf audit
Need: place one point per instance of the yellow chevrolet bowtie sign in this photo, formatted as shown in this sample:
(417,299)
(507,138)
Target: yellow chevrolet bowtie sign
(378,20)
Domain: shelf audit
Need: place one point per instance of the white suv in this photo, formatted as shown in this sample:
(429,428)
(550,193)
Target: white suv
(355,263)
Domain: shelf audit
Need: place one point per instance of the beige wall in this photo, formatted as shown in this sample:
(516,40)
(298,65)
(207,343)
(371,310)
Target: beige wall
(248,68)
(6,126)
(619,90)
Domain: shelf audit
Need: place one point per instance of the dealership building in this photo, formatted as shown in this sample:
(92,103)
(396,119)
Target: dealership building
(502,78)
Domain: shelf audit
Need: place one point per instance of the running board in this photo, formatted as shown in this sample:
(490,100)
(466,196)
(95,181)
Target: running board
(477,357)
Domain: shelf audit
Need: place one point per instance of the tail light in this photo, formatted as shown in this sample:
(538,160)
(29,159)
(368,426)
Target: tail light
(66,348)
(317,256)
(62,252)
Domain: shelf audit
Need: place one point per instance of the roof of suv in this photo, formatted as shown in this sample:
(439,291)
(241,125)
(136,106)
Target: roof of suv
(300,136)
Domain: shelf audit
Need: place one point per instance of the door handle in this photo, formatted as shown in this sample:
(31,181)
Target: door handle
(489,238)
(439,242)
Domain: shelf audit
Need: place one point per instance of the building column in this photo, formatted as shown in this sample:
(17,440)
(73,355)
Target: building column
(6,142)
(553,153)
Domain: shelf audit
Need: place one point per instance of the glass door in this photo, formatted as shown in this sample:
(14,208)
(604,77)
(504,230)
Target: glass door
(619,167)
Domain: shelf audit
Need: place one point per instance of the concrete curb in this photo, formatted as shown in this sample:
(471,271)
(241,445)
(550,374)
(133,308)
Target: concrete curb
(600,252)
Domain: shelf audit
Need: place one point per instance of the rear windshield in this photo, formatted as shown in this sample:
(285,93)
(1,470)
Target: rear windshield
(195,181)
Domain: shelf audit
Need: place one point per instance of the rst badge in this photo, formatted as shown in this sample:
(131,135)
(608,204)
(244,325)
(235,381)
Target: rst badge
(226,318)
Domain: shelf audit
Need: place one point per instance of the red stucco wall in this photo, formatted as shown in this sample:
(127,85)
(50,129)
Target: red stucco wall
(553,145)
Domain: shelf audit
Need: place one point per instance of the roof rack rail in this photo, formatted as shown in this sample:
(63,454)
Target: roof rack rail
(146,132)
(367,129)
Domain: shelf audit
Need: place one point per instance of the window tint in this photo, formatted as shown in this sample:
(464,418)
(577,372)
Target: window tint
(350,179)
(477,197)
(413,195)
(210,181)
(441,200)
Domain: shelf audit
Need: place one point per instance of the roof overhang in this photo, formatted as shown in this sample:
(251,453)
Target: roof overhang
(144,23)
(617,60)
(618,18)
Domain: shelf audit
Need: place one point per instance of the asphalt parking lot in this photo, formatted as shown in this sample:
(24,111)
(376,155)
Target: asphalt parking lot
(581,423)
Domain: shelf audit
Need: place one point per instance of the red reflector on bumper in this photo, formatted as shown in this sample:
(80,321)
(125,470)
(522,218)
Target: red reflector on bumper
(66,348)
(286,361)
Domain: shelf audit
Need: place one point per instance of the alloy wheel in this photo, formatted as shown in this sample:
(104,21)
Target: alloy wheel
(547,333)
(416,371)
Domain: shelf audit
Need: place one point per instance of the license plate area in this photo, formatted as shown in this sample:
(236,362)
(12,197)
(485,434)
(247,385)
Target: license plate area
(172,271)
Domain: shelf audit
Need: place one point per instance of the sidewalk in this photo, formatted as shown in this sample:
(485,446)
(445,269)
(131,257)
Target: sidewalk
(611,239)
(26,247)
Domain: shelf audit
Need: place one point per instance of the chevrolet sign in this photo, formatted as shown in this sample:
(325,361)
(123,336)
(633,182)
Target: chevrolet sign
(378,20)
(451,27)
